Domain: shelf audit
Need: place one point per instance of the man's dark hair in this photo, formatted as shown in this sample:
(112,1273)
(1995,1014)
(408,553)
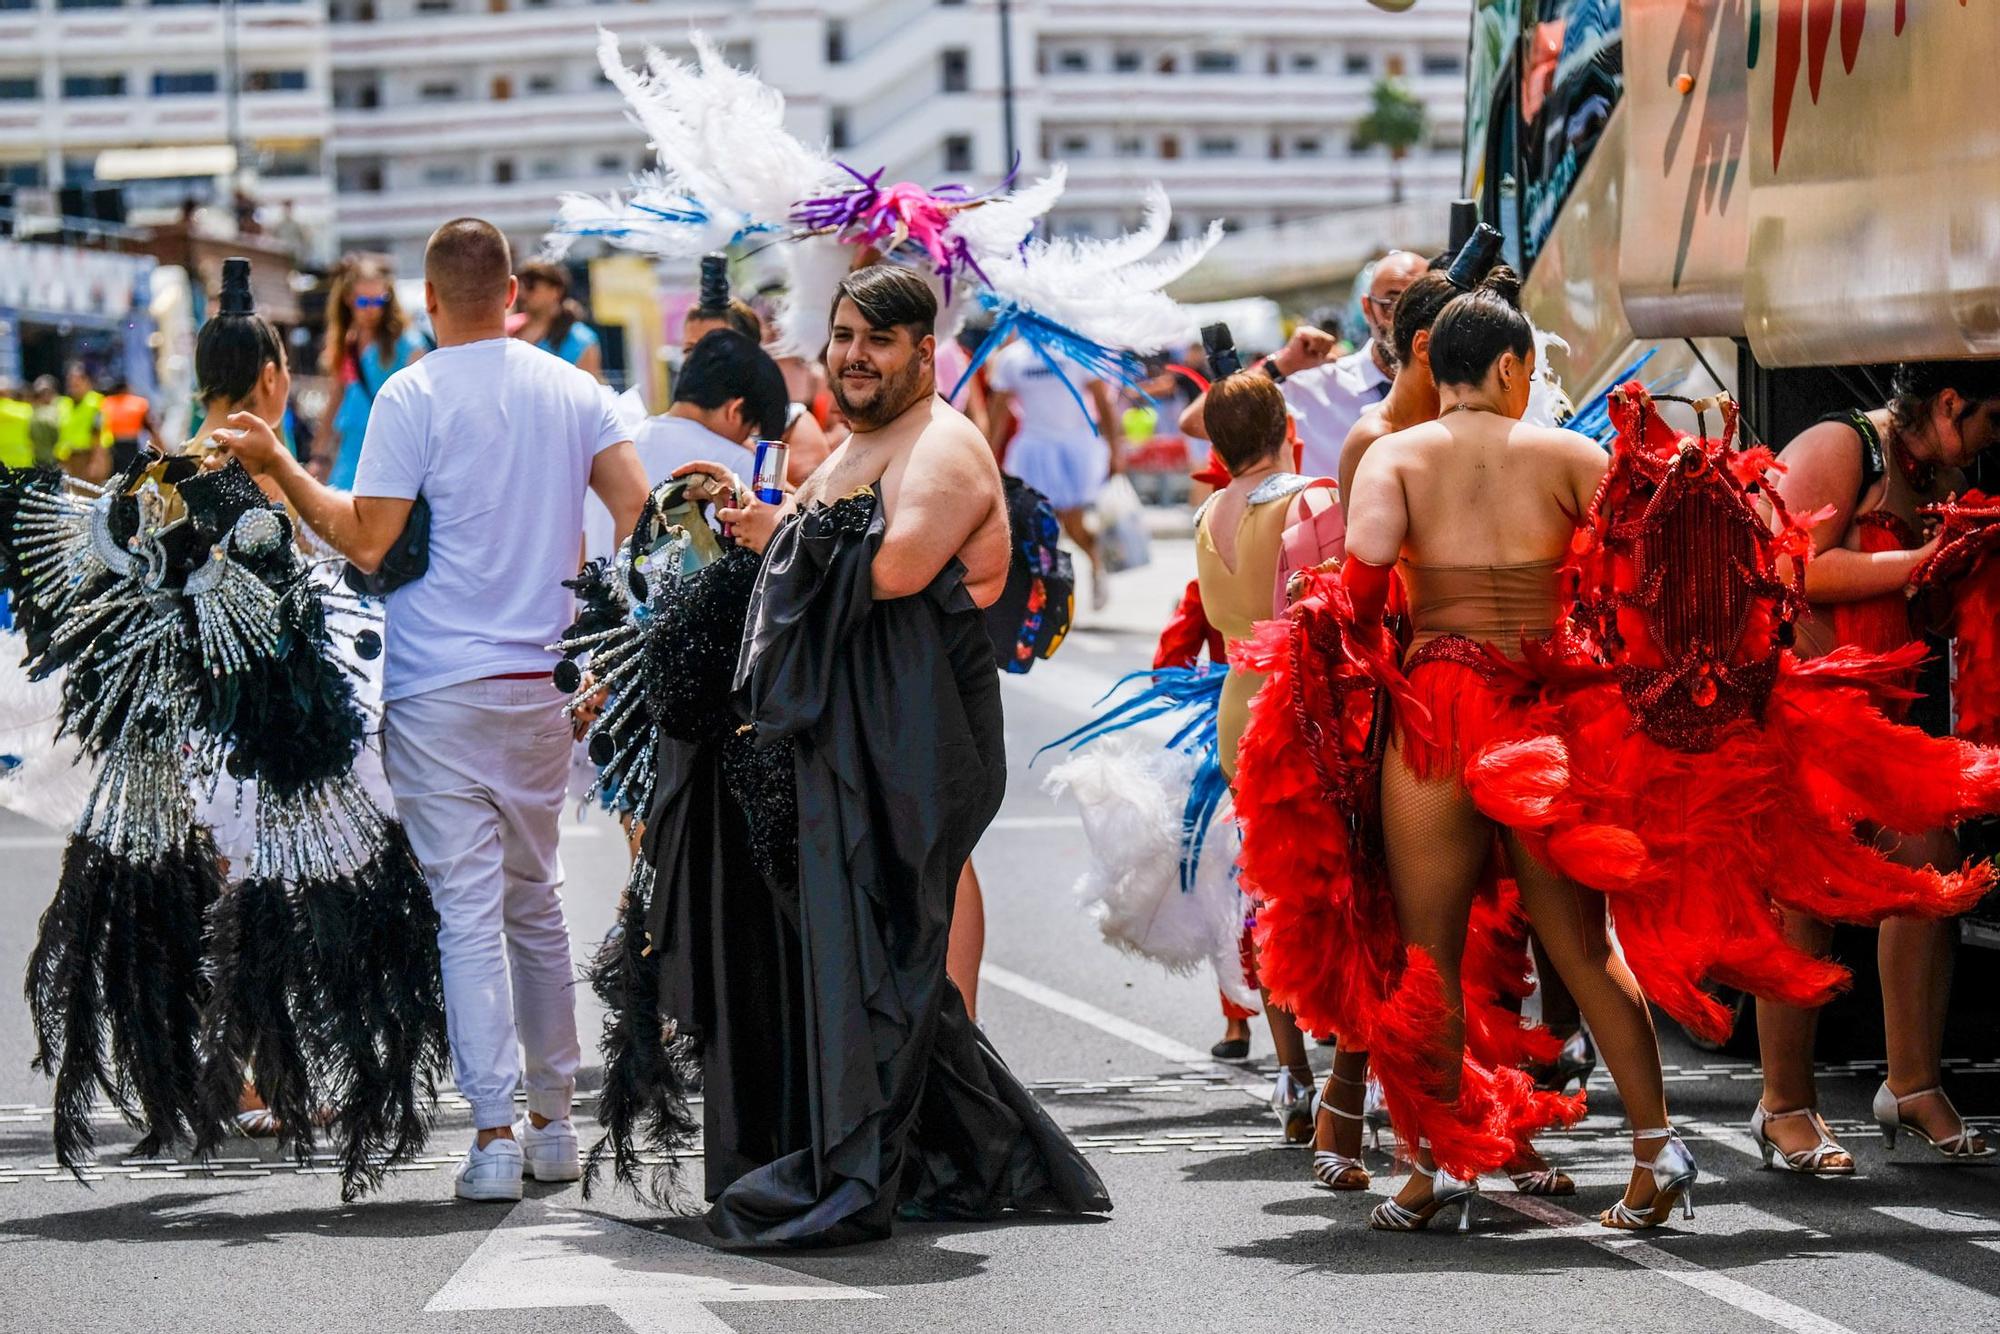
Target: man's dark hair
(1916,383)
(726,365)
(889,297)
(467,264)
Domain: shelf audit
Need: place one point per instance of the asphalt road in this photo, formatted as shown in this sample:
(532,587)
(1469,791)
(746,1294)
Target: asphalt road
(1216,1225)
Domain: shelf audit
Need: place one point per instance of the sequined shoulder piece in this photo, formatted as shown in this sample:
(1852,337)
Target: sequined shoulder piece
(1277,486)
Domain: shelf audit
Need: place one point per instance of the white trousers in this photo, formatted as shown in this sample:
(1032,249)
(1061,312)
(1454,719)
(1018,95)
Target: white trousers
(480,771)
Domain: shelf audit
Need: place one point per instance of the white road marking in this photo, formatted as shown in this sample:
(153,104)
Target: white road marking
(1937,1220)
(1103,1020)
(543,1255)
(1628,1246)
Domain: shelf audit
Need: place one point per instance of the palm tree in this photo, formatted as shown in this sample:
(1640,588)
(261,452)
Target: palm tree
(1396,122)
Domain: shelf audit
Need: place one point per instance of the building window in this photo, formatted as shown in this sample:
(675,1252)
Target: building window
(275,81)
(502,88)
(836,128)
(27,174)
(1215,62)
(1170,147)
(1451,140)
(546,168)
(365,178)
(1130,145)
(436,6)
(836,43)
(1357,62)
(958,152)
(90,4)
(1308,146)
(444,173)
(184,83)
(503,171)
(437,92)
(541,85)
(1126,62)
(1217,145)
(955,70)
(1442,63)
(289,162)
(93,85)
(1073,62)
(1304,62)
(1392,65)
(1075,145)
(610,164)
(20,88)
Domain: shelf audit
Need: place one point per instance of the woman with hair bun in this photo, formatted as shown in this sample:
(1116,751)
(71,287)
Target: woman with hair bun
(1876,471)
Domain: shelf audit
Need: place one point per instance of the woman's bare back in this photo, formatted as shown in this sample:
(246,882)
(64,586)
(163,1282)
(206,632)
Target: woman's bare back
(1472,488)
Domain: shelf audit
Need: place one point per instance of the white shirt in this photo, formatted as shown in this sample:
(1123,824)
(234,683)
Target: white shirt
(1045,403)
(664,444)
(498,436)
(1328,400)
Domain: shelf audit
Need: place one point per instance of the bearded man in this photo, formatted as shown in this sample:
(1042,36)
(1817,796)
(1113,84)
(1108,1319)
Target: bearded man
(865,651)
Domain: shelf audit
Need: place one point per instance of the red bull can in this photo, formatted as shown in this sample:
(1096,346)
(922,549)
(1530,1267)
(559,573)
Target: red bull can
(768,475)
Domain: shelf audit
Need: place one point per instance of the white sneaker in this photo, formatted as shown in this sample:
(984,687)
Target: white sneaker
(491,1173)
(551,1152)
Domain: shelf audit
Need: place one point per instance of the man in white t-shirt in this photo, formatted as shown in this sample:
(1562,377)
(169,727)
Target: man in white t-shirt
(1328,396)
(729,394)
(1066,440)
(501,440)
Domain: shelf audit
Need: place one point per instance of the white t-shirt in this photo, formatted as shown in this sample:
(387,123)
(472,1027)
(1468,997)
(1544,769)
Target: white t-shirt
(498,436)
(1044,404)
(664,444)
(1328,400)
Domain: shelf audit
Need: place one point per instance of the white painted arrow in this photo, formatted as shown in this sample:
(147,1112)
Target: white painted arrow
(543,1255)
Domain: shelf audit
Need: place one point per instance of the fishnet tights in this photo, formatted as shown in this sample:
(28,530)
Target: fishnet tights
(1437,843)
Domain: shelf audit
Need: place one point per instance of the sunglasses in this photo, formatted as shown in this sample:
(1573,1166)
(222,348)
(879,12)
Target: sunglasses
(370,302)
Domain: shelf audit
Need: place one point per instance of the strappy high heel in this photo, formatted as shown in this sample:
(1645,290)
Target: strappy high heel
(1332,1169)
(1374,1112)
(1813,1160)
(1576,1061)
(1446,1190)
(1889,1116)
(1674,1175)
(1543,1181)
(1293,1102)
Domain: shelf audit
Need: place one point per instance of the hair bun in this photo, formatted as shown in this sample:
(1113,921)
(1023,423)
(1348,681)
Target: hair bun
(1504,283)
(237,298)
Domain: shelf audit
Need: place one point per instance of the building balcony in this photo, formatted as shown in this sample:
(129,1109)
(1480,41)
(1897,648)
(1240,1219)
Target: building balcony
(429,39)
(1207,187)
(1353,22)
(478,123)
(1178,97)
(522,208)
(106,36)
(138,121)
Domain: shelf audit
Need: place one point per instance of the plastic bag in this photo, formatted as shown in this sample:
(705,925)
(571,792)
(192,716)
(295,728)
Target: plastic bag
(1122,541)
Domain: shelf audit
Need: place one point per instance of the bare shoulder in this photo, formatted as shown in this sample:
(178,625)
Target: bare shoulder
(1569,445)
(1413,446)
(951,451)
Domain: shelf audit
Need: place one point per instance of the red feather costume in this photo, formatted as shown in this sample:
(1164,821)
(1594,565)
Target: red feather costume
(1662,747)
(1745,769)
(1969,535)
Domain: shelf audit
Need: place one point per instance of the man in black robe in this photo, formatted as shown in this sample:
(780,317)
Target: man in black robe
(866,653)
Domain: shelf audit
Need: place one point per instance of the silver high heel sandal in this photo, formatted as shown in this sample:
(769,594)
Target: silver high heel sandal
(1576,1061)
(1674,1175)
(1330,1168)
(1889,1116)
(1374,1112)
(1293,1102)
(1813,1160)
(1446,1190)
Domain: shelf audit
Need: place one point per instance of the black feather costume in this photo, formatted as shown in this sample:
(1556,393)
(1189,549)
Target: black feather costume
(194,644)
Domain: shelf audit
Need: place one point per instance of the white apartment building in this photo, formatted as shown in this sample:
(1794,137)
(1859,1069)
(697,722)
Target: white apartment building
(381,118)
(494,107)
(80,78)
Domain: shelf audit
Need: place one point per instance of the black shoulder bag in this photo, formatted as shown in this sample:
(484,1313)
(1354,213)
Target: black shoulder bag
(410,555)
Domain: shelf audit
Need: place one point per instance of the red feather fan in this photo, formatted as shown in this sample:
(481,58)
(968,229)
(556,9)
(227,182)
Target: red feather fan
(1744,769)
(1969,533)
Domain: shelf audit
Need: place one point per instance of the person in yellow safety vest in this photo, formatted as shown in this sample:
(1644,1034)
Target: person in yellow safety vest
(16,413)
(84,445)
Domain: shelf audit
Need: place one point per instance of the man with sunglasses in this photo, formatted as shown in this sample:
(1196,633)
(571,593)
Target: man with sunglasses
(1328,397)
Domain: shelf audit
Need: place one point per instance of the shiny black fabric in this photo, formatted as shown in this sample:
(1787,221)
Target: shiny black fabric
(887,1098)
